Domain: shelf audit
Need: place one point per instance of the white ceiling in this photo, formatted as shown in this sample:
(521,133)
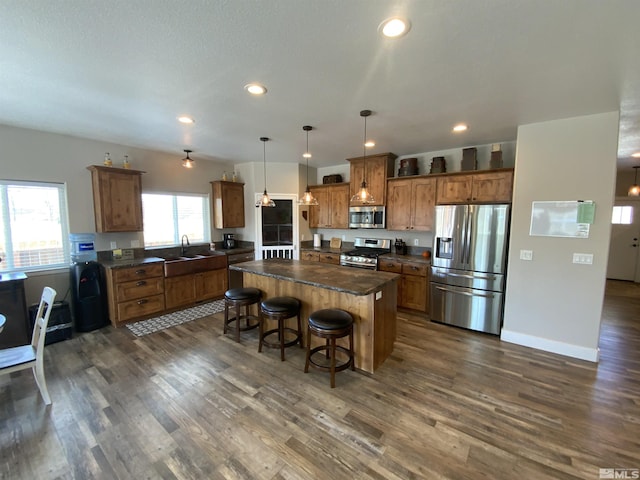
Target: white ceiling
(123,70)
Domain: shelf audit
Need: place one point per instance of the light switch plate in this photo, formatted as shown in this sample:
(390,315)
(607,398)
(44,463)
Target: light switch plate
(526,254)
(114,245)
(583,258)
(416,242)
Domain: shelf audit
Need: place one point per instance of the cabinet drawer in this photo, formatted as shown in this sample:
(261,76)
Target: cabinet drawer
(310,256)
(139,272)
(329,258)
(140,307)
(139,288)
(393,266)
(418,269)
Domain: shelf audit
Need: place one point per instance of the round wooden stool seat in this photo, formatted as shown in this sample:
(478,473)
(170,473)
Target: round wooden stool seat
(330,324)
(237,298)
(279,309)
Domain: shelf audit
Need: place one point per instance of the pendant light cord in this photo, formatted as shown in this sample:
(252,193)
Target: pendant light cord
(264,161)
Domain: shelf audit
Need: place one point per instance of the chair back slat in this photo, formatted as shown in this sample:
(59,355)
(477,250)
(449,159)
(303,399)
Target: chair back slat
(42,318)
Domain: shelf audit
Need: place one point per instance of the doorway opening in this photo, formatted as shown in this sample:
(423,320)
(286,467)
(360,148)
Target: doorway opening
(277,229)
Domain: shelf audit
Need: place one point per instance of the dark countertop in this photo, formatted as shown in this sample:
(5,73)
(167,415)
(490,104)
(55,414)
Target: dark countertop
(12,276)
(233,251)
(349,247)
(407,258)
(355,281)
(131,262)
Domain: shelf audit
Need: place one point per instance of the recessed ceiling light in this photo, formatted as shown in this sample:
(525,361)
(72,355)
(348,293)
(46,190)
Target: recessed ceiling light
(460,127)
(636,155)
(370,143)
(394,27)
(186,119)
(255,89)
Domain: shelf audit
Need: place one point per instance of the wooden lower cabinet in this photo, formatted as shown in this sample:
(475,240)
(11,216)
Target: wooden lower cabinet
(179,291)
(413,291)
(310,256)
(135,292)
(211,284)
(188,289)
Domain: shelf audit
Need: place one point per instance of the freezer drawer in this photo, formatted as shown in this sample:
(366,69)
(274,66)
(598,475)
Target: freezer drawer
(467,279)
(479,310)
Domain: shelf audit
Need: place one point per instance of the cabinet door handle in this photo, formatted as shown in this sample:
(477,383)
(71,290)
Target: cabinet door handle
(142,271)
(141,283)
(142,301)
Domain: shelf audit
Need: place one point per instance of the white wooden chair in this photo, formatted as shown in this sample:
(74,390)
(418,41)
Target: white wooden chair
(32,355)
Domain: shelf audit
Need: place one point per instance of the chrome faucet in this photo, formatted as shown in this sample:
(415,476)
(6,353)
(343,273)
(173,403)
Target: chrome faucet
(183,249)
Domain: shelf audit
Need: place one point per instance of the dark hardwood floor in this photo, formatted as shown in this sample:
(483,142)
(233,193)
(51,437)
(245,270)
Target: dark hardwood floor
(190,403)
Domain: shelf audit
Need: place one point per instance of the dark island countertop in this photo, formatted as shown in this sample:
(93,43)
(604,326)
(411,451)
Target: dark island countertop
(354,281)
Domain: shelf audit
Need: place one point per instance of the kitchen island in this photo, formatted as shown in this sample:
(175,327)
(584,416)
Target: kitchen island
(369,296)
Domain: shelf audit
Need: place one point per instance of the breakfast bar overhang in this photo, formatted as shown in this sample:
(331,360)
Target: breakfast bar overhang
(369,296)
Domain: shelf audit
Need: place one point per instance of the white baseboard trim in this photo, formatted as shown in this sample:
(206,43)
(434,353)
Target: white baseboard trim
(553,346)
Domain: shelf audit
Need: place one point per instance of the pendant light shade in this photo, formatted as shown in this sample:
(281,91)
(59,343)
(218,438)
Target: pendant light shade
(187,162)
(634,190)
(265,201)
(307,198)
(363,196)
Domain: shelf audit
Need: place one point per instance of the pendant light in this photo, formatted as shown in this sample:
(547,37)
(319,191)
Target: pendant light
(187,162)
(265,201)
(364,196)
(634,190)
(307,198)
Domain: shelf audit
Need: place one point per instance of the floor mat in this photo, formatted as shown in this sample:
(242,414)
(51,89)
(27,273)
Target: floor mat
(145,327)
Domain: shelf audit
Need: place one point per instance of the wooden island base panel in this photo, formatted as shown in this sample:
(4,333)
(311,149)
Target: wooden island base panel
(369,296)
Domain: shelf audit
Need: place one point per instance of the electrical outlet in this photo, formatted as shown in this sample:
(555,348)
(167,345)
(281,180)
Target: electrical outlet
(302,237)
(416,242)
(114,245)
(135,243)
(583,258)
(526,255)
(344,237)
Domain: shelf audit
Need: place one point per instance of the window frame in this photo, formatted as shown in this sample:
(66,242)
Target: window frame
(63,206)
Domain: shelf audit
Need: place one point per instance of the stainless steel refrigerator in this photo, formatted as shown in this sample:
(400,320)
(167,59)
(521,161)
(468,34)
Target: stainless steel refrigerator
(468,266)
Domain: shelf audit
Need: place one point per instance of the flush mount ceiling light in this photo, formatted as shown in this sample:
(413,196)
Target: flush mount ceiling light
(265,201)
(307,197)
(461,127)
(394,27)
(363,196)
(255,89)
(636,155)
(634,190)
(186,119)
(187,162)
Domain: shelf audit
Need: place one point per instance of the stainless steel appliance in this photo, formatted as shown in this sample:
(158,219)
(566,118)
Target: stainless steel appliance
(228,240)
(366,253)
(366,217)
(469,265)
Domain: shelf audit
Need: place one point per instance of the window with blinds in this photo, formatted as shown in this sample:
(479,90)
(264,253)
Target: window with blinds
(168,216)
(35,228)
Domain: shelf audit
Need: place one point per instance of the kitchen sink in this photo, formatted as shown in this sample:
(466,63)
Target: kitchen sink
(175,266)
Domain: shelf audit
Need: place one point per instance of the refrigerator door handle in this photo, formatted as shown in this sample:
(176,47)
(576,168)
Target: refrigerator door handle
(490,277)
(468,294)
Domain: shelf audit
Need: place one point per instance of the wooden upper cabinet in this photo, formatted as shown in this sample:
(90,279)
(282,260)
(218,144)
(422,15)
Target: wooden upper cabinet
(117,199)
(492,187)
(375,169)
(228,204)
(410,203)
(332,210)
(479,187)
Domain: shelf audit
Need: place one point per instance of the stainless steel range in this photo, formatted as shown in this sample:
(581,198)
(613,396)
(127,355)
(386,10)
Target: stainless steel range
(366,253)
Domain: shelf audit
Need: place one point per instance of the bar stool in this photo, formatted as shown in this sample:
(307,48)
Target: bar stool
(237,298)
(279,309)
(331,324)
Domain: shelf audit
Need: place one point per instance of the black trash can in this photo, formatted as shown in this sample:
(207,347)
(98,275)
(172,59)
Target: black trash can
(60,326)
(89,296)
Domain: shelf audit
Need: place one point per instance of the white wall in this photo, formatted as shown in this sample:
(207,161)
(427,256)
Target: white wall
(551,303)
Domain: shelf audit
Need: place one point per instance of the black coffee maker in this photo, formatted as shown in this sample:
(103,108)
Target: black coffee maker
(228,240)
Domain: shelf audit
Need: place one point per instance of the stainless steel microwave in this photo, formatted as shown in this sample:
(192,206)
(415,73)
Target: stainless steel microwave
(366,217)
